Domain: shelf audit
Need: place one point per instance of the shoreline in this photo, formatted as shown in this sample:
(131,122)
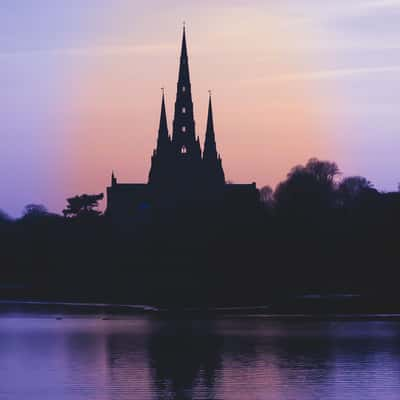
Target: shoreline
(117,310)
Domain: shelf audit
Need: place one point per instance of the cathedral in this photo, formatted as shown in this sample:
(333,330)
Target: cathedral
(181,173)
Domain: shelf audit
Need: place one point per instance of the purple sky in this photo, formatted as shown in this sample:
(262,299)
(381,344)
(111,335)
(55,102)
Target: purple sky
(291,79)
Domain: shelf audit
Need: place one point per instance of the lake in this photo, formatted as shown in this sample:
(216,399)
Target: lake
(76,357)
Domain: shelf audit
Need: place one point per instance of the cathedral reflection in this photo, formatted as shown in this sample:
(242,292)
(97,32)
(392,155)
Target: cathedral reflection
(185,359)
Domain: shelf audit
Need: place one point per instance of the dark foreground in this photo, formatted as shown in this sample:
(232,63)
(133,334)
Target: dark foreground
(53,355)
(213,260)
(316,234)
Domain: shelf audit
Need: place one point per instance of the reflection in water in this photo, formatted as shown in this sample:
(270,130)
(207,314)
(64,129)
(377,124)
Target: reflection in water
(184,357)
(250,358)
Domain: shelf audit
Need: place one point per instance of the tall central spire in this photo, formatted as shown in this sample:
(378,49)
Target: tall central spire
(183,136)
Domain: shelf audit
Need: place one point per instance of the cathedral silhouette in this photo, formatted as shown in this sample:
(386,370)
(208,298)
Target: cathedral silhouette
(181,175)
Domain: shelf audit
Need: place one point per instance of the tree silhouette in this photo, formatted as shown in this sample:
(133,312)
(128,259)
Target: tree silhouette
(309,188)
(35,211)
(267,196)
(83,205)
(4,217)
(324,172)
(353,189)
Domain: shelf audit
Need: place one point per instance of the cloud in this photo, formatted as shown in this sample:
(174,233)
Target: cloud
(318,10)
(328,74)
(381,4)
(91,51)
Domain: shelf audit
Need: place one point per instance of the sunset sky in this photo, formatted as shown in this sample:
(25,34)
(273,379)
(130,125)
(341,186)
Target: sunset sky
(291,79)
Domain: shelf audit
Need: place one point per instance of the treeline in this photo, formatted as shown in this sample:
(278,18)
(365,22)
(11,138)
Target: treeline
(316,233)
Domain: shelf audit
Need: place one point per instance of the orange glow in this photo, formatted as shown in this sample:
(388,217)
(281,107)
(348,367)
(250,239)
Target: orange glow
(266,119)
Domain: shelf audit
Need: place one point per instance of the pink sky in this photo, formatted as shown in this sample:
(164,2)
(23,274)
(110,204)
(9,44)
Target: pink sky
(290,80)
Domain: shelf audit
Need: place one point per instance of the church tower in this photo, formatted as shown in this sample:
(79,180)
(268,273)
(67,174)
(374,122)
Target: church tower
(180,176)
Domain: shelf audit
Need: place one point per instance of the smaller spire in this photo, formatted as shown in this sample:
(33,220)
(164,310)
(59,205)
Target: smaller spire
(113,179)
(211,158)
(210,148)
(210,119)
(163,128)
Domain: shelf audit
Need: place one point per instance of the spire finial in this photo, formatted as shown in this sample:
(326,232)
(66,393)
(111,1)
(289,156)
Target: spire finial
(184,28)
(163,91)
(184,37)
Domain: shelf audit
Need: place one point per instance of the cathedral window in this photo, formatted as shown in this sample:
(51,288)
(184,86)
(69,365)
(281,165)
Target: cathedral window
(183,129)
(183,150)
(183,110)
(183,88)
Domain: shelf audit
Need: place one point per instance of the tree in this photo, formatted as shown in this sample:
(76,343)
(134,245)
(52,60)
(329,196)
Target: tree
(324,172)
(308,188)
(83,205)
(352,186)
(4,217)
(354,189)
(267,196)
(35,211)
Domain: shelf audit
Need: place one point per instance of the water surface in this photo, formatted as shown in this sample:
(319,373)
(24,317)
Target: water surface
(142,357)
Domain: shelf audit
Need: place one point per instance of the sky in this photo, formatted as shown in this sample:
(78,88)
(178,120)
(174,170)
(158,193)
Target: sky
(80,89)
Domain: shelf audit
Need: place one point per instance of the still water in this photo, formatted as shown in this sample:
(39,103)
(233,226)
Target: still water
(87,357)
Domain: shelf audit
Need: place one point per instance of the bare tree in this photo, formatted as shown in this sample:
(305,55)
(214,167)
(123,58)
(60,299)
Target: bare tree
(323,171)
(267,195)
